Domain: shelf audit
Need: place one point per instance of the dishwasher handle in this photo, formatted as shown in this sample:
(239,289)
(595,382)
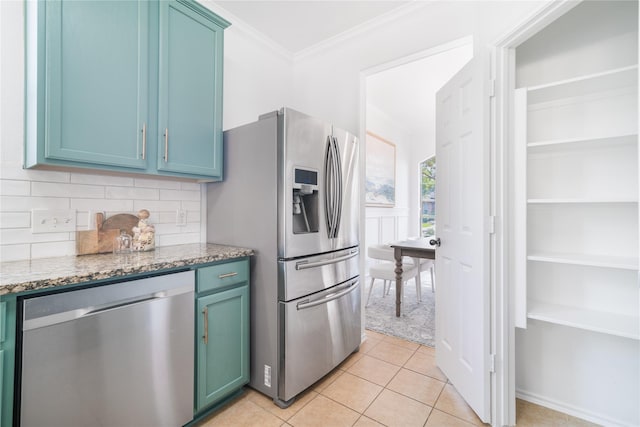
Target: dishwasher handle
(124,303)
(66,316)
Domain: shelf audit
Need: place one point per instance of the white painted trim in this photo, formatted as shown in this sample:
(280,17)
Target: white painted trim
(574,411)
(362,214)
(370,25)
(324,45)
(536,21)
(242,26)
(463,41)
(371,211)
(503,67)
(520,208)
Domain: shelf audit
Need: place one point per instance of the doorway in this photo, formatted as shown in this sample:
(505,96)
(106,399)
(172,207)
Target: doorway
(400,109)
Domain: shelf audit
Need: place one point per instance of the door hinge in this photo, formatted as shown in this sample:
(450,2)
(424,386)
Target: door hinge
(492,363)
(492,88)
(492,224)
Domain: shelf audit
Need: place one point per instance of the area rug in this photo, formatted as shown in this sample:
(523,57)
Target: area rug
(417,321)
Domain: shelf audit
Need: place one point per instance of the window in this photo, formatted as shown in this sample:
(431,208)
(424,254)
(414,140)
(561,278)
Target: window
(428,197)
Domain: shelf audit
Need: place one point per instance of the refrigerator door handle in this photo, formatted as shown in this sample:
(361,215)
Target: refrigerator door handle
(338,172)
(329,187)
(302,265)
(328,298)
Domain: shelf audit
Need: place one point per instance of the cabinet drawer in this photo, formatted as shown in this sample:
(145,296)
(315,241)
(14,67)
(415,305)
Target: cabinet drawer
(221,275)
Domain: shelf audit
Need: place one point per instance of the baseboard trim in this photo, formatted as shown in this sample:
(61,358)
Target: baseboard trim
(572,410)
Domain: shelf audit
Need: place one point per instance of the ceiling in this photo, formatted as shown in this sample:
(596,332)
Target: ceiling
(298,25)
(404,94)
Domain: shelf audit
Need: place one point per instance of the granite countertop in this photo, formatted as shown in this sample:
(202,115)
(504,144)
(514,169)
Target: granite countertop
(28,275)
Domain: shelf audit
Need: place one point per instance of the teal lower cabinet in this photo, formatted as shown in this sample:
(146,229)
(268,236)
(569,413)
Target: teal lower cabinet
(1,381)
(222,335)
(7,357)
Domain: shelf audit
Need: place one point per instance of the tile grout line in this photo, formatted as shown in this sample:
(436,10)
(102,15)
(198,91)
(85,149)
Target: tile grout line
(362,414)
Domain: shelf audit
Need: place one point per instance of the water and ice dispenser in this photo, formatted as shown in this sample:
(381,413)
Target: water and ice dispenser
(305,201)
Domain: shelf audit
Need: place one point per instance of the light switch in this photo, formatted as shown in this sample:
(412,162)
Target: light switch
(53,221)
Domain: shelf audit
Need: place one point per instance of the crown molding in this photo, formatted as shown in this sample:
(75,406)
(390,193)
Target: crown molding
(411,7)
(241,26)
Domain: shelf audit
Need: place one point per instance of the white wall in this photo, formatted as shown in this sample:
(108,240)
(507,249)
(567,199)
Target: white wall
(387,224)
(258,79)
(319,82)
(257,75)
(407,94)
(245,97)
(327,83)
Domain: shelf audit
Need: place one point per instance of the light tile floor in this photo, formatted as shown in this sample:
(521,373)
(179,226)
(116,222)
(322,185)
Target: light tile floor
(389,382)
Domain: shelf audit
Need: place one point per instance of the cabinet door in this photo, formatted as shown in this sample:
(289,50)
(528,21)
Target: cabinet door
(223,344)
(96,60)
(190,92)
(3,315)
(7,358)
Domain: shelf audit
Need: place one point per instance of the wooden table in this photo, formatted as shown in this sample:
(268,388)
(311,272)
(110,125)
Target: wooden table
(419,248)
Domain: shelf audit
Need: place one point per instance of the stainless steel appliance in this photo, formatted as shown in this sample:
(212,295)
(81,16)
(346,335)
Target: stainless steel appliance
(113,355)
(291,193)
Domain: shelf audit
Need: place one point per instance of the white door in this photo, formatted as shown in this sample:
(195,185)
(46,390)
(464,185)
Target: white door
(462,294)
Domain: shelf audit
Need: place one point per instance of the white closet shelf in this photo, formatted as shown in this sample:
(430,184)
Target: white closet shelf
(607,261)
(583,200)
(583,85)
(588,142)
(607,323)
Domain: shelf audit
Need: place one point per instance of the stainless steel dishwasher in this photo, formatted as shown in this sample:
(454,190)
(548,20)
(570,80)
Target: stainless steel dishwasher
(115,355)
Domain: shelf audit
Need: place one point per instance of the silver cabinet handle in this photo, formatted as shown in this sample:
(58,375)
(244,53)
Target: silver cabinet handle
(166,145)
(144,141)
(222,276)
(205,314)
(302,265)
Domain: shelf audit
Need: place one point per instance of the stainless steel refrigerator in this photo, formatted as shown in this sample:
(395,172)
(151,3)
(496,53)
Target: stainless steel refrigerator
(290,192)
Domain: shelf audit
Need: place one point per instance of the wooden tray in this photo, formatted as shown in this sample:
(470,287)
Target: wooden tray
(121,222)
(101,239)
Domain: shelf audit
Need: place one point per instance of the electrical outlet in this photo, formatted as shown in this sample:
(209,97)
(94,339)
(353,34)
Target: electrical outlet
(53,221)
(181,218)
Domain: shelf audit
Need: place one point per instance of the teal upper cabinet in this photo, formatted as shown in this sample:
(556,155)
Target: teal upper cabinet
(190,94)
(95,82)
(115,85)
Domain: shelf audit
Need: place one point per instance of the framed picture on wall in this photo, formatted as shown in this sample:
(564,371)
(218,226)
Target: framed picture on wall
(380,172)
